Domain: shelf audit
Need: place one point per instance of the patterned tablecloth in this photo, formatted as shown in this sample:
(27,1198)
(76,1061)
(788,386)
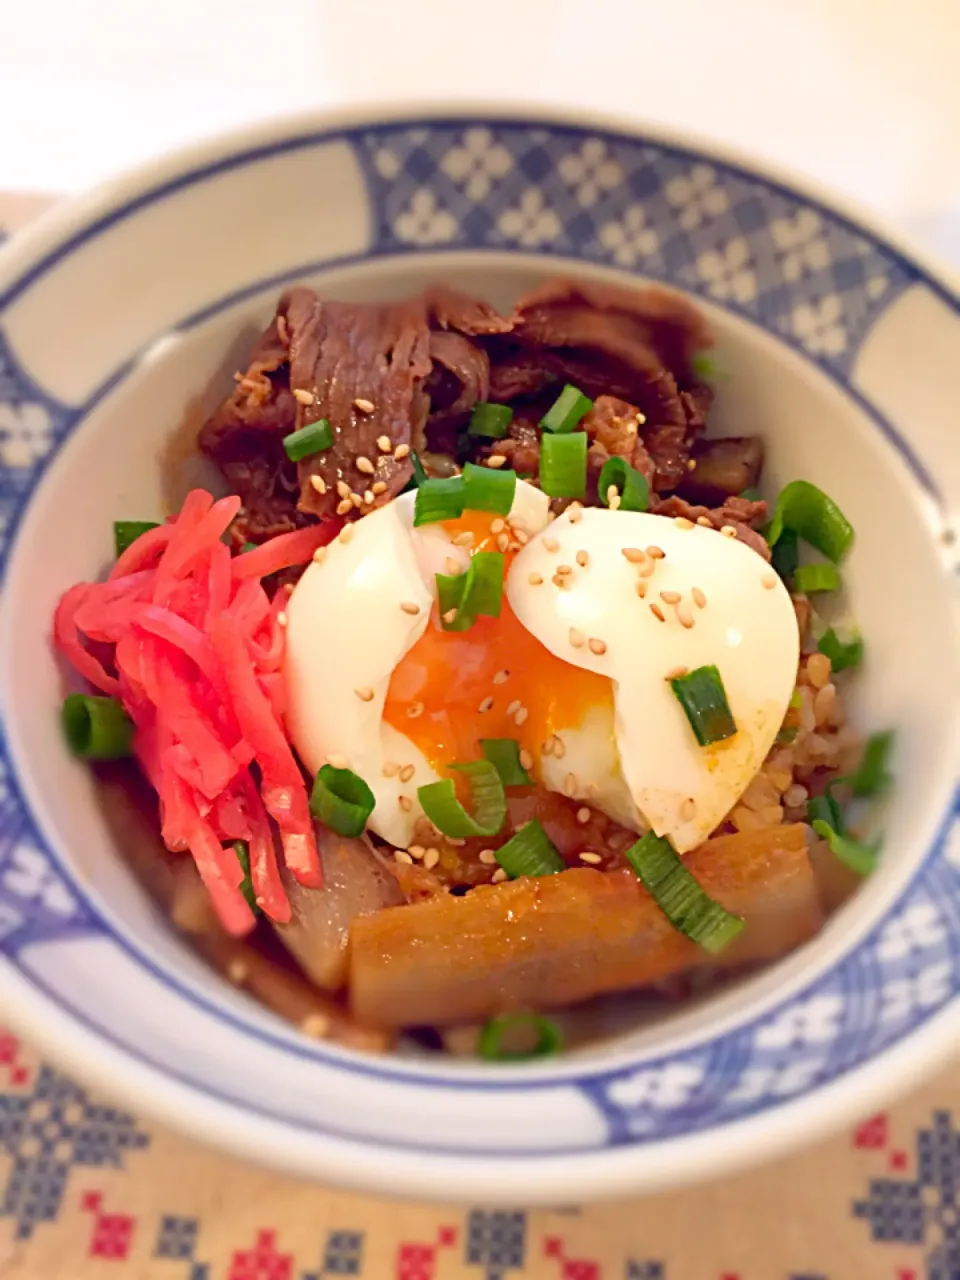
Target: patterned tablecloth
(89,1192)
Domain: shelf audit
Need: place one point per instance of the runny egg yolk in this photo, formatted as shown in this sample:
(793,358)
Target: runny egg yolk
(494,680)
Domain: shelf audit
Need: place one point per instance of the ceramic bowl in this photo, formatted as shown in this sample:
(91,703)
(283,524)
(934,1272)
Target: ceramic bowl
(122,316)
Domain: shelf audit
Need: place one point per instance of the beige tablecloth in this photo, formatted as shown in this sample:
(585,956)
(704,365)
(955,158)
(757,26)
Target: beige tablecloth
(89,1192)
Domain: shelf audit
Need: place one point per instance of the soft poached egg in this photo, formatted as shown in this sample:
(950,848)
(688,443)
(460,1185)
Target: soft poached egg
(600,609)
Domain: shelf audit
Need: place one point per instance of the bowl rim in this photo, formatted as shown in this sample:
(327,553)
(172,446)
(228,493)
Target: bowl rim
(384,1168)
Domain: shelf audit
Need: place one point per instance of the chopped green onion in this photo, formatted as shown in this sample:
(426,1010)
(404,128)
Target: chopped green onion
(825,808)
(490,420)
(126,532)
(705,366)
(631,485)
(529,852)
(492,1046)
(341,800)
(842,652)
(808,578)
(860,858)
(563,465)
(486,490)
(440,803)
(872,777)
(315,437)
(678,895)
(504,755)
(242,851)
(248,546)
(570,406)
(96,728)
(786,735)
(477,592)
(751,495)
(419,475)
(704,700)
(440,499)
(796,700)
(785,555)
(816,518)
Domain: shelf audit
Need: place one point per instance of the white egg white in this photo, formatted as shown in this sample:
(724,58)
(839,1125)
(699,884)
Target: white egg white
(747,628)
(346,633)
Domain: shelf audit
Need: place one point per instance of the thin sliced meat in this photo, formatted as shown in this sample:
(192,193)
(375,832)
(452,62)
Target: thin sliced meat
(355,882)
(722,469)
(460,378)
(361,367)
(740,514)
(542,943)
(449,309)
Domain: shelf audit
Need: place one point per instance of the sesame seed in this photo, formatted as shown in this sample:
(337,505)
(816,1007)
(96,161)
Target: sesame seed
(769,580)
(431,858)
(452,566)
(365,406)
(238,971)
(486,705)
(401,855)
(691,464)
(449,616)
(391,769)
(570,785)
(559,750)
(676,672)
(682,522)
(521,716)
(379,486)
(503,541)
(576,638)
(699,599)
(315,1025)
(670,597)
(346,533)
(410,606)
(498,525)
(356,499)
(384,444)
(416,851)
(365,465)
(551,545)
(685,616)
(583,816)
(564,569)
(282,619)
(597,646)
(646,569)
(633,554)
(641,589)
(464,539)
(526,759)
(487,857)
(521,537)
(561,581)
(407,772)
(688,810)
(401,451)
(320,555)
(501,676)
(496,460)
(657,553)
(590,858)
(343,489)
(498,876)
(613,497)
(576,513)
(364,693)
(319,484)
(282,333)
(405,803)
(415,710)
(535,579)
(704,522)
(337,762)
(728,531)
(514,707)
(368,497)
(657,612)
(305,397)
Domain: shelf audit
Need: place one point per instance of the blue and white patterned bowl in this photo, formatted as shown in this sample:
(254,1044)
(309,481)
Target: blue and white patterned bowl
(123,314)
